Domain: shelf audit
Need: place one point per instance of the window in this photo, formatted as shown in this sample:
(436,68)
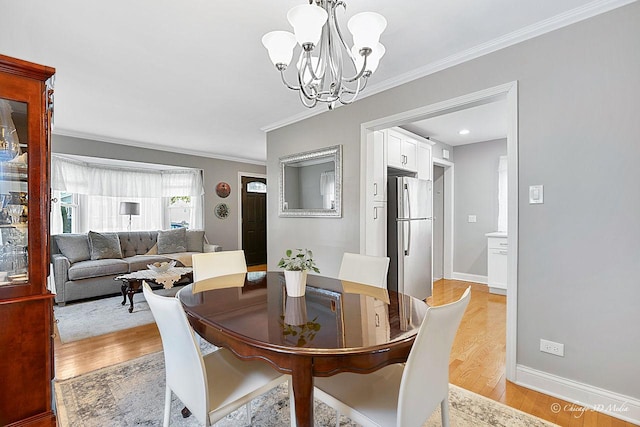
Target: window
(180,208)
(69,211)
(256,187)
(89,196)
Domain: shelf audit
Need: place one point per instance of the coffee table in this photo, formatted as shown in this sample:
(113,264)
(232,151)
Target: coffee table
(132,282)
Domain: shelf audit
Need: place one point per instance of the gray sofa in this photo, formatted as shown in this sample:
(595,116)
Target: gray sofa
(82,270)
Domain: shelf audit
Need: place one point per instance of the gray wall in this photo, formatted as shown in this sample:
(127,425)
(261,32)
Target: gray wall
(579,97)
(475,193)
(310,184)
(292,187)
(219,231)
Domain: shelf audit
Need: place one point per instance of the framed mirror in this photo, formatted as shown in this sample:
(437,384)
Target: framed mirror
(311,183)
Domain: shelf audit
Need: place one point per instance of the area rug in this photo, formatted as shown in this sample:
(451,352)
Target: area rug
(132,394)
(85,319)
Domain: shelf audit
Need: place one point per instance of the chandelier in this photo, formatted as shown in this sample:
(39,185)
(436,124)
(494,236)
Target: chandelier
(321,64)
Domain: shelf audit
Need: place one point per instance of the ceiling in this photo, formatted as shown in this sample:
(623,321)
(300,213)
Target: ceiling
(192,76)
(484,122)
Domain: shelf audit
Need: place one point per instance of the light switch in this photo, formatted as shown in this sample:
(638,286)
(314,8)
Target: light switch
(536,194)
(472,218)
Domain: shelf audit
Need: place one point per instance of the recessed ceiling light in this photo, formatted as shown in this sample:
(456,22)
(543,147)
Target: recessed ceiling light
(464,132)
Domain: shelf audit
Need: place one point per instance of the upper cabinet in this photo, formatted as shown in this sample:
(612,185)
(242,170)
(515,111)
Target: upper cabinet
(425,161)
(24,182)
(402,151)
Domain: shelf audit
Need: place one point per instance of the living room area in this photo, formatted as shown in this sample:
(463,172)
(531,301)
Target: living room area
(145,204)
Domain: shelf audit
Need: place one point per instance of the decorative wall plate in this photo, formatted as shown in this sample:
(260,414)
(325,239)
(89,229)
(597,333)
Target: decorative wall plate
(221,210)
(223,189)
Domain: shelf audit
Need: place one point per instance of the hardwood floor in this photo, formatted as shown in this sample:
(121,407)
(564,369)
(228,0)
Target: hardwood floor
(477,358)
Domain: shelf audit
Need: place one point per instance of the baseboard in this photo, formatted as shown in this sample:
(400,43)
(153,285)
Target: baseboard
(497,291)
(470,278)
(582,395)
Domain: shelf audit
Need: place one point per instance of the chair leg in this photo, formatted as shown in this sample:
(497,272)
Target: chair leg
(248,408)
(337,418)
(167,406)
(292,406)
(444,409)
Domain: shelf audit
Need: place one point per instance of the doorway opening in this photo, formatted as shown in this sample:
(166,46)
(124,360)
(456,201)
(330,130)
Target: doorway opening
(443,219)
(509,93)
(252,227)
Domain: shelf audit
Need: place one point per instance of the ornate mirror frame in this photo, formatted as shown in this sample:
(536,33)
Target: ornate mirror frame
(330,154)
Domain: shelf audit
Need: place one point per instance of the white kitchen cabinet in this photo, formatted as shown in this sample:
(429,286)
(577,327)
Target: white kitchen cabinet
(376,229)
(376,327)
(425,162)
(497,251)
(402,150)
(377,169)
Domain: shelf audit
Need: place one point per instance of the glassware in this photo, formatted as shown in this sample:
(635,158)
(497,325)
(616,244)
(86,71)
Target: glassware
(9,144)
(15,212)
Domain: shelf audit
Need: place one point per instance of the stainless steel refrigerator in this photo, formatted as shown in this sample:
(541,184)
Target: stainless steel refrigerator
(409,238)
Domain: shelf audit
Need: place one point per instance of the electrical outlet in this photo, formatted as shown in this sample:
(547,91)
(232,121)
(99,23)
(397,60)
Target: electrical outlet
(552,347)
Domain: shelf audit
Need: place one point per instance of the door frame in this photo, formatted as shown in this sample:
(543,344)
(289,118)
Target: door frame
(448,220)
(239,187)
(508,92)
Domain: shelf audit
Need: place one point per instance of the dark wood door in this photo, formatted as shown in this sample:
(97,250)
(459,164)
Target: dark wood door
(254,220)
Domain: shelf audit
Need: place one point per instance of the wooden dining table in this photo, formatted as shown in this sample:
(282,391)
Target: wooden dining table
(336,327)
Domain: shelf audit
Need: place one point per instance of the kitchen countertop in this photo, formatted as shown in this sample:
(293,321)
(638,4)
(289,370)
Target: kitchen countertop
(497,234)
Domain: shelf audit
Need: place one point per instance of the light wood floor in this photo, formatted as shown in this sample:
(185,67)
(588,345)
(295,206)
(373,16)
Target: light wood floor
(477,358)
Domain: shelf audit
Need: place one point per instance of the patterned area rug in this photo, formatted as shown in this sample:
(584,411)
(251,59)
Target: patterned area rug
(132,394)
(85,319)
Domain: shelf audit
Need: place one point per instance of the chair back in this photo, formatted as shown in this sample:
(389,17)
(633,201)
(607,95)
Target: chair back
(218,264)
(425,380)
(364,269)
(184,365)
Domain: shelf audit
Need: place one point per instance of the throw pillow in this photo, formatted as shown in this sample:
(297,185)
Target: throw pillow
(73,246)
(172,241)
(195,240)
(104,245)
(153,250)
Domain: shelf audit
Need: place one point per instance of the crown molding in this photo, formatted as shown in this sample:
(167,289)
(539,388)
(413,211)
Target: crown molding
(149,146)
(567,18)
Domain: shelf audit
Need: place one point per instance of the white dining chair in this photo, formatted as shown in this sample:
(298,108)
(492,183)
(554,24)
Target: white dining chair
(402,395)
(218,269)
(210,386)
(364,269)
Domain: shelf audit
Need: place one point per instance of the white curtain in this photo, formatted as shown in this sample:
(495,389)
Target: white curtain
(185,183)
(101,188)
(56,213)
(502,194)
(327,188)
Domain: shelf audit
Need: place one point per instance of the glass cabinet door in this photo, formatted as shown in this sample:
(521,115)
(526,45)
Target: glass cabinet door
(14,194)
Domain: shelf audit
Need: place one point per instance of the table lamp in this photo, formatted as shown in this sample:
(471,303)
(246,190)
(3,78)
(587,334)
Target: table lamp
(129,208)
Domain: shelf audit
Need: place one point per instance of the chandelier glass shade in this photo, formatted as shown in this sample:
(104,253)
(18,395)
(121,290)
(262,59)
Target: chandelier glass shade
(321,72)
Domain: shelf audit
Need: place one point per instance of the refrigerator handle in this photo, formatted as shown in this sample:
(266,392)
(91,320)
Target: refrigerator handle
(408,240)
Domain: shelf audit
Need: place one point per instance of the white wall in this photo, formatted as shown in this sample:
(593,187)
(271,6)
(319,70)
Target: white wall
(578,98)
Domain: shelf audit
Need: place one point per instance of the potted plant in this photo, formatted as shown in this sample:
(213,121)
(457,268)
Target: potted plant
(296,265)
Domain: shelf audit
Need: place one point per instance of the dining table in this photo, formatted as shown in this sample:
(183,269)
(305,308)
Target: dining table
(337,326)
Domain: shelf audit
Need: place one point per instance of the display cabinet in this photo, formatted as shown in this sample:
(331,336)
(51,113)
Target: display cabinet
(26,305)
